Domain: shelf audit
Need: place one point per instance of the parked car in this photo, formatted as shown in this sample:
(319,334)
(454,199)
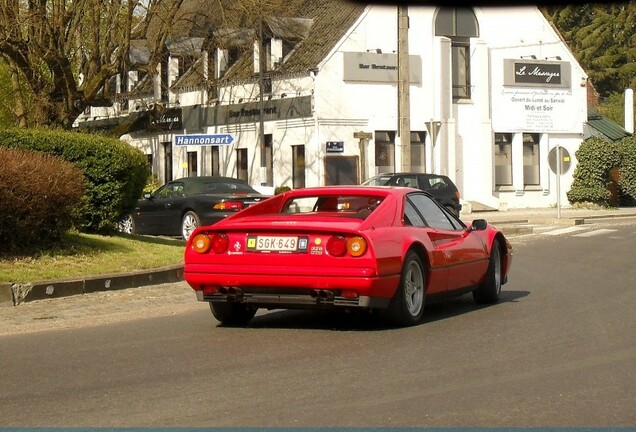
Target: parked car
(439,186)
(180,206)
(347,248)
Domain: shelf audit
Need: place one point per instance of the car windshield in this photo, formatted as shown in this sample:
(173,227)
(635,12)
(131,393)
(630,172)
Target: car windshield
(357,206)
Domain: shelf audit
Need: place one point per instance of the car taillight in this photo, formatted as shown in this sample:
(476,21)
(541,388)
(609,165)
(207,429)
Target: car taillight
(201,243)
(229,205)
(339,246)
(220,243)
(356,246)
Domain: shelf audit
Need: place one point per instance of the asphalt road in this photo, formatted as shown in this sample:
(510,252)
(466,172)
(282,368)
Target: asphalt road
(558,350)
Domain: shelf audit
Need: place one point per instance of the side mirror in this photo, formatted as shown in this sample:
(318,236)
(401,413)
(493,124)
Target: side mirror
(478,225)
(147,195)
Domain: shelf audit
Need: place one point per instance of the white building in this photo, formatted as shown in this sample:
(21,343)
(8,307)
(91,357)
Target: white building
(493,93)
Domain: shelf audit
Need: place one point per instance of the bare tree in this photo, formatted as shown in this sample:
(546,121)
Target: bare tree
(61,53)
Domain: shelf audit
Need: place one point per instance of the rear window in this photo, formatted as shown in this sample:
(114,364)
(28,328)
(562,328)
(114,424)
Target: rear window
(377,181)
(429,183)
(358,206)
(215,187)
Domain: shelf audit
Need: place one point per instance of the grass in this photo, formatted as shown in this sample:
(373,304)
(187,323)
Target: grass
(79,254)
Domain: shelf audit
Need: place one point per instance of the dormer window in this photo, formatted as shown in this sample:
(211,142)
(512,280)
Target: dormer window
(224,58)
(280,37)
(185,63)
(230,45)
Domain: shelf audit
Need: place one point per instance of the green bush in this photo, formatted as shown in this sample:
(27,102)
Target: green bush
(627,172)
(281,189)
(592,178)
(39,195)
(115,172)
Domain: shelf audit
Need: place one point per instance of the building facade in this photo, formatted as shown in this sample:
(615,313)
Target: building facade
(495,100)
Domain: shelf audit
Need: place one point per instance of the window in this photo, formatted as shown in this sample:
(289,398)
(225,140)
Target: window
(185,63)
(192,164)
(267,158)
(433,215)
(167,161)
(459,25)
(170,190)
(165,76)
(298,166)
(531,172)
(461,69)
(241,164)
(412,216)
(225,58)
(418,154)
(215,161)
(384,151)
(267,85)
(503,159)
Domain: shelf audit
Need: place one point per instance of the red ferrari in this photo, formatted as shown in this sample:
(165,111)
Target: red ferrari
(389,249)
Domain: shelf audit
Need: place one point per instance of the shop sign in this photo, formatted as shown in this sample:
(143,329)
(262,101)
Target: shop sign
(536,96)
(378,67)
(537,73)
(165,119)
(251,112)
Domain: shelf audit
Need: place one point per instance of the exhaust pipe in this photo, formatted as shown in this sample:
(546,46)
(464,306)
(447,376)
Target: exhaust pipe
(322,295)
(232,293)
(326,295)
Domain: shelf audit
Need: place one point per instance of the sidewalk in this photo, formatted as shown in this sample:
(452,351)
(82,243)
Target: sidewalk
(522,221)
(513,222)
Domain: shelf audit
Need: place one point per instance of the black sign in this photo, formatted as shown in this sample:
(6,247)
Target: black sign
(538,73)
(165,119)
(335,146)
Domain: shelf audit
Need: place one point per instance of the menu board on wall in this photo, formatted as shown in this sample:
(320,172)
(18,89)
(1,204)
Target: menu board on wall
(536,96)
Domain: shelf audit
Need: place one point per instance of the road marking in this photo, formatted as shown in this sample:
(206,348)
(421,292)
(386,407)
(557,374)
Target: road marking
(565,230)
(595,233)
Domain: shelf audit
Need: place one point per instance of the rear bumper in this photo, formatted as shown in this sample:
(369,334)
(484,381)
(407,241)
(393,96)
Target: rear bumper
(299,290)
(316,299)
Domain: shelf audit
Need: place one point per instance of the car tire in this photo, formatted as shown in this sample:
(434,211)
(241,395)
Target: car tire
(407,306)
(232,314)
(126,225)
(189,223)
(489,290)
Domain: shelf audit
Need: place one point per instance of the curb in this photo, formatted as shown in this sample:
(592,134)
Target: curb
(13,294)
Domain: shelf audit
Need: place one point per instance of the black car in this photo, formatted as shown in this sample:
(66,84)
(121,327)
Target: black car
(180,206)
(439,186)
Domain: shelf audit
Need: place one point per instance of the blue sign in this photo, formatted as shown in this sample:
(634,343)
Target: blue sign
(202,139)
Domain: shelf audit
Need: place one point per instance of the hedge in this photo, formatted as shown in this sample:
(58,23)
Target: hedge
(115,172)
(627,171)
(39,195)
(592,176)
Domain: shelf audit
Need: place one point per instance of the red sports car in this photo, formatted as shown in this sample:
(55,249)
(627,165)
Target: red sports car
(381,248)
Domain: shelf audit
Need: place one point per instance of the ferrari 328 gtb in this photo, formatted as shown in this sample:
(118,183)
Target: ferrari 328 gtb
(389,249)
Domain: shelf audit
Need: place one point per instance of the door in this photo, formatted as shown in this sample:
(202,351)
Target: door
(461,253)
(341,170)
(161,214)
